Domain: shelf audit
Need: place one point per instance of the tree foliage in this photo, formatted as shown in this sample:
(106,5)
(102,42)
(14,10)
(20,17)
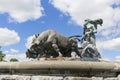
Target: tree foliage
(13,60)
(2,55)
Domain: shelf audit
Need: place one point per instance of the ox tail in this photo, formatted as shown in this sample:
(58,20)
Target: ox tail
(75,36)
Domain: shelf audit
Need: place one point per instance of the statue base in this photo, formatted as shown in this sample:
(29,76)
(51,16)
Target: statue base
(90,59)
(58,59)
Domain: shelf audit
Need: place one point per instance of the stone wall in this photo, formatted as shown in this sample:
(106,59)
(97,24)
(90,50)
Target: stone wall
(59,70)
(38,77)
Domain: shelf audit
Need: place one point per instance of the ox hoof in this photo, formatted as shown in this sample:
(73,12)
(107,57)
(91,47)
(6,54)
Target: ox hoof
(60,58)
(60,55)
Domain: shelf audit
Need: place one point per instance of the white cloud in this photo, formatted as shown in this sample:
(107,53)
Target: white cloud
(21,10)
(82,9)
(8,37)
(13,53)
(5,52)
(113,44)
(117,2)
(79,10)
(14,50)
(117,58)
(29,41)
(20,56)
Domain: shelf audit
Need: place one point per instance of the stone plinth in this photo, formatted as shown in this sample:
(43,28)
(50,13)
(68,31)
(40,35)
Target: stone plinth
(59,70)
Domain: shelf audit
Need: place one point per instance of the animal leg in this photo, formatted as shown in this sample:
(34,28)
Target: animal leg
(52,39)
(78,53)
(57,49)
(38,57)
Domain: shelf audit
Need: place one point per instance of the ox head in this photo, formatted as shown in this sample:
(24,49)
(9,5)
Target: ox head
(32,51)
(30,54)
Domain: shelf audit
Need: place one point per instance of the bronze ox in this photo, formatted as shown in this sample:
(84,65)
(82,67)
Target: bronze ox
(50,43)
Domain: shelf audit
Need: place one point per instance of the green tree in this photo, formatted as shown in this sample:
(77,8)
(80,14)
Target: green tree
(13,60)
(2,55)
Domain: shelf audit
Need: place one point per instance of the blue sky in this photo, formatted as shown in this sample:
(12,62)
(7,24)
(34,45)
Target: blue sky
(21,19)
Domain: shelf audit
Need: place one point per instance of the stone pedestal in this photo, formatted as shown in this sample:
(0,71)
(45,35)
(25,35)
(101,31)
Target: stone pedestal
(59,70)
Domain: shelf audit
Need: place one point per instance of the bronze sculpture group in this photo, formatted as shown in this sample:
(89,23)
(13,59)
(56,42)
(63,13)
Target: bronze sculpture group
(52,44)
